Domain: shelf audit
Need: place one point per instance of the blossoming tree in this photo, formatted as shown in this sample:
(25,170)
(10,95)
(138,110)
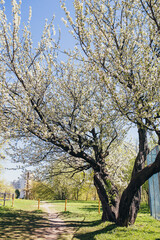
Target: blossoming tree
(60,104)
(121,40)
(80,108)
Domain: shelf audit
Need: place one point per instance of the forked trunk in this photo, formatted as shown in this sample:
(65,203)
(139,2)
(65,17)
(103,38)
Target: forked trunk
(109,204)
(138,166)
(123,212)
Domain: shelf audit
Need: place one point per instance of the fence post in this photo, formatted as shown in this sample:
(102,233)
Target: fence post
(12,200)
(38,204)
(99,206)
(65,205)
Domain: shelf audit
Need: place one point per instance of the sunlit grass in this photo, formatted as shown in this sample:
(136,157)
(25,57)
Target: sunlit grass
(28,205)
(84,217)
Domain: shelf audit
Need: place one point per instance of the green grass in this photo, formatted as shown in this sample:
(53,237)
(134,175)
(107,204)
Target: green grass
(84,217)
(24,220)
(22,204)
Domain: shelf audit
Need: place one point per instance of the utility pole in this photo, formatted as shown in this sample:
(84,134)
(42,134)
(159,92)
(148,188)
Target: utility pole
(27,185)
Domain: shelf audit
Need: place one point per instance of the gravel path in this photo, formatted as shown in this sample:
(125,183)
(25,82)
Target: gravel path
(57,228)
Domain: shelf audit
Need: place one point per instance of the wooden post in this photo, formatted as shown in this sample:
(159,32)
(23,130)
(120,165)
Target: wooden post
(65,205)
(12,200)
(38,204)
(4,199)
(99,206)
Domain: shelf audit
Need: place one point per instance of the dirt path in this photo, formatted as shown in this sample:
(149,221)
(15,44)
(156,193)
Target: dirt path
(57,228)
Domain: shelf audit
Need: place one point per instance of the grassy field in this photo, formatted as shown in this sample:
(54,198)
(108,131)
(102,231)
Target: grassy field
(23,221)
(87,222)
(21,204)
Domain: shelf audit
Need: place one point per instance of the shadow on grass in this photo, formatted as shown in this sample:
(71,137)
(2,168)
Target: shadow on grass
(18,224)
(86,224)
(77,224)
(91,208)
(91,235)
(71,215)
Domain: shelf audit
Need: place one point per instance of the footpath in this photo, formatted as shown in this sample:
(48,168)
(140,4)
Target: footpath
(57,229)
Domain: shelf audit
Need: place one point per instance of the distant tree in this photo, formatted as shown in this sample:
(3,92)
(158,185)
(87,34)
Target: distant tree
(17,192)
(41,190)
(63,183)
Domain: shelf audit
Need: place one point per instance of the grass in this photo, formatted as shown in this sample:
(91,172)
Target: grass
(23,221)
(84,217)
(21,204)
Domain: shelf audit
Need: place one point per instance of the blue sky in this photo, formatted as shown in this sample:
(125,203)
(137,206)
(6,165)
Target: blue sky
(41,10)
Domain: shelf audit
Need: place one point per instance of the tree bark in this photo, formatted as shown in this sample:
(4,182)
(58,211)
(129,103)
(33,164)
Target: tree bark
(108,195)
(138,166)
(107,214)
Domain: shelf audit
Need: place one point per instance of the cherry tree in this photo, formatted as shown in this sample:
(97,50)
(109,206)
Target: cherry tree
(121,41)
(80,107)
(57,104)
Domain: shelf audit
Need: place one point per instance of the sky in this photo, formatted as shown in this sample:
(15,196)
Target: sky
(41,9)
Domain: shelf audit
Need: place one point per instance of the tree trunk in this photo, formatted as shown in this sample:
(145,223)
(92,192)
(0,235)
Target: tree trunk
(107,212)
(138,166)
(122,212)
(108,196)
(136,182)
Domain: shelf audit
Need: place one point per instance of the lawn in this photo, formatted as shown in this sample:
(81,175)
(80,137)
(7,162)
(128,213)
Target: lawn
(87,222)
(21,204)
(23,221)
